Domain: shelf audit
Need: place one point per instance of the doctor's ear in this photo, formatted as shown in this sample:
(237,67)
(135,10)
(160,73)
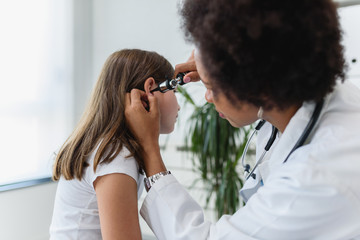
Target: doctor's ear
(149,84)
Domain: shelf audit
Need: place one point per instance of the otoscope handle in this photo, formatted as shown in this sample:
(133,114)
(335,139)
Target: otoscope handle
(180,76)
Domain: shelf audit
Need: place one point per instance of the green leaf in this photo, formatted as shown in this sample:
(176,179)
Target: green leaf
(216,147)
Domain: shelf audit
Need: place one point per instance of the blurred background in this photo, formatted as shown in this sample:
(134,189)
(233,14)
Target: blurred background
(51,53)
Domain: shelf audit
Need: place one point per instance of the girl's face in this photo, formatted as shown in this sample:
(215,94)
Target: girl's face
(169,108)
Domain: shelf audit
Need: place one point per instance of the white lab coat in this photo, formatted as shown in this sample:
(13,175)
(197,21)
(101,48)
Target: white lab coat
(314,195)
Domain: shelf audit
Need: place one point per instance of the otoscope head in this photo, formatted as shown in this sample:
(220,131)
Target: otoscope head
(170,84)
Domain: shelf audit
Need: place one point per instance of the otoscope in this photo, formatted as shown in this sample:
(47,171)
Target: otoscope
(170,84)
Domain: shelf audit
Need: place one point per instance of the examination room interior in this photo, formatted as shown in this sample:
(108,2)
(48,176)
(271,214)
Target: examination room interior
(51,55)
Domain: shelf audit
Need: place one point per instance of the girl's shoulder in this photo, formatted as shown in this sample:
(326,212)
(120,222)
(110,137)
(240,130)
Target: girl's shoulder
(123,163)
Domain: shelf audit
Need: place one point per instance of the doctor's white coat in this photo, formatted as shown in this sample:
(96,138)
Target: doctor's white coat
(314,195)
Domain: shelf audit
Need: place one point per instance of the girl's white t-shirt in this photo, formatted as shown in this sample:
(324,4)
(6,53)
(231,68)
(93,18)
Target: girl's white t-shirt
(76,214)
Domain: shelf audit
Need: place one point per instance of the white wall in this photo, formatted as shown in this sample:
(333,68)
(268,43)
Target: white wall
(149,25)
(26,213)
(102,27)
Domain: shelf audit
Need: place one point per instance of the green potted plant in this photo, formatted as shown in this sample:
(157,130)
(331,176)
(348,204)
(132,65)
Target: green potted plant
(216,148)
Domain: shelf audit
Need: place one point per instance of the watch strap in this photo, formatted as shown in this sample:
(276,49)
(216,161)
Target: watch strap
(150,181)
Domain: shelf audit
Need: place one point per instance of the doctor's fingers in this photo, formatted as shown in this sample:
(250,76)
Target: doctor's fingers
(138,103)
(189,68)
(135,113)
(143,123)
(148,101)
(133,103)
(136,96)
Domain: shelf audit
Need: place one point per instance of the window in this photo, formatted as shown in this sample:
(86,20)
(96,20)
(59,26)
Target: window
(36,89)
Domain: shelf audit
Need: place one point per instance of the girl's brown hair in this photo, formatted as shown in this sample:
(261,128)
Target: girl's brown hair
(103,122)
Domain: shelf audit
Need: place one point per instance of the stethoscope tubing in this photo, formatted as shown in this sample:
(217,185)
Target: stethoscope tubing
(309,127)
(268,145)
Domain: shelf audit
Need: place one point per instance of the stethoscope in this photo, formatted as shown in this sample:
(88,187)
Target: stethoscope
(309,127)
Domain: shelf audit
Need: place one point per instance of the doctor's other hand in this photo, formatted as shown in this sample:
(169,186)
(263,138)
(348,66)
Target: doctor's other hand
(188,67)
(143,117)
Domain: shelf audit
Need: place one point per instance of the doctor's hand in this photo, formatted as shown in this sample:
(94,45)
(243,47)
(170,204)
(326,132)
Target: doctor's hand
(189,67)
(143,118)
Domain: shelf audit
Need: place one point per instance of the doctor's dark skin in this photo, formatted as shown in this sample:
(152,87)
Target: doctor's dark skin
(277,61)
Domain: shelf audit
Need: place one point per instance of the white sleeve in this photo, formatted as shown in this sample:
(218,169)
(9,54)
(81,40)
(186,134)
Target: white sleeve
(172,213)
(278,211)
(120,164)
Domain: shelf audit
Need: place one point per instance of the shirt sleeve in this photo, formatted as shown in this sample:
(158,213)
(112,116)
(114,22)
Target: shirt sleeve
(120,164)
(282,210)
(172,213)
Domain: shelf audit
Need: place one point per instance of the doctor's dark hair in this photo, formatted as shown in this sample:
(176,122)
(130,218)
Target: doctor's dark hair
(271,53)
(103,123)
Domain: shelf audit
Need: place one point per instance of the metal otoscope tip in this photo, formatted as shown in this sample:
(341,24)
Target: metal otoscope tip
(170,84)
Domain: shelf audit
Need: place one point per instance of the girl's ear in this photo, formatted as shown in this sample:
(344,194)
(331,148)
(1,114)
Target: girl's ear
(149,84)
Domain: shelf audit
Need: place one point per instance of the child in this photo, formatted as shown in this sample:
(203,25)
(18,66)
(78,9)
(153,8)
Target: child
(99,167)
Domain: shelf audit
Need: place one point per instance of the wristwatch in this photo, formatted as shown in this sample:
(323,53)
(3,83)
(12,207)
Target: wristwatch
(150,181)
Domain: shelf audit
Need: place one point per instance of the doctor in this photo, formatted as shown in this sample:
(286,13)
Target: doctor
(280,61)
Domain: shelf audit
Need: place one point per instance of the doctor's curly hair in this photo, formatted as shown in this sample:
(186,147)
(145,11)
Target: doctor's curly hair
(268,52)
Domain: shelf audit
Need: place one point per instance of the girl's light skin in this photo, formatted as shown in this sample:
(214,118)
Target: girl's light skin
(118,209)
(168,106)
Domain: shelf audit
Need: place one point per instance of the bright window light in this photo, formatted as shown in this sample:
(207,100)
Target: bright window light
(35,91)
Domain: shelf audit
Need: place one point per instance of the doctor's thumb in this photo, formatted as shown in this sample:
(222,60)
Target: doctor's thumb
(191,77)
